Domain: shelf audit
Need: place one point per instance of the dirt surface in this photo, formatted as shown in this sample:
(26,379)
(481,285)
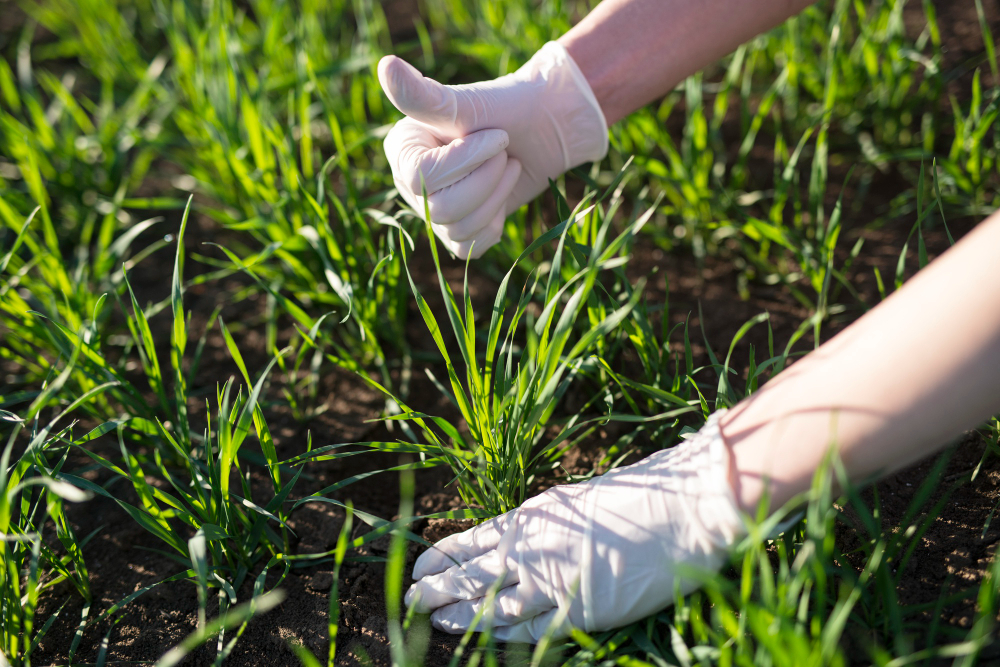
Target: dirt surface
(962,48)
(960,544)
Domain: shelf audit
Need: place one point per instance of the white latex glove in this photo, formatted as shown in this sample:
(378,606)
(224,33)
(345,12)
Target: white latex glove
(606,549)
(484,149)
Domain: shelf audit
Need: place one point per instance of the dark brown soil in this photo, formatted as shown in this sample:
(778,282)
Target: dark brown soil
(960,543)
(962,48)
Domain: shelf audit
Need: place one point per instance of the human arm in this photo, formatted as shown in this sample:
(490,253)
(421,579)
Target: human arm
(485,149)
(668,40)
(896,385)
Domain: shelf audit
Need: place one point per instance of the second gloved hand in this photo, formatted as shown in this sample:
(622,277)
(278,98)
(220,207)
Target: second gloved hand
(484,149)
(607,550)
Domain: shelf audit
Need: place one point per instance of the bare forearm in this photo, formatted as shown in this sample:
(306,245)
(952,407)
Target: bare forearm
(633,51)
(898,384)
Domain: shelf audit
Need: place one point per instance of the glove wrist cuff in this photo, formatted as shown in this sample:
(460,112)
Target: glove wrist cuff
(728,522)
(572,105)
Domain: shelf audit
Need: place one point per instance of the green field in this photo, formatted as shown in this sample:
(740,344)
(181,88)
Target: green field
(242,387)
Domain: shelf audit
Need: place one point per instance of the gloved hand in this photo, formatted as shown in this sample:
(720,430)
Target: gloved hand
(606,549)
(484,149)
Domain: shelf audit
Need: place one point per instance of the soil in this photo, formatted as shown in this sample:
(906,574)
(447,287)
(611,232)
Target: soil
(961,542)
(954,553)
(962,48)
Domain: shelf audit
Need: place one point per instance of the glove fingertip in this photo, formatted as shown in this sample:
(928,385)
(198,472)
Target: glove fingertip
(421,98)
(453,619)
(485,143)
(433,561)
(489,237)
(530,631)
(410,594)
(396,77)
(393,75)
(383,69)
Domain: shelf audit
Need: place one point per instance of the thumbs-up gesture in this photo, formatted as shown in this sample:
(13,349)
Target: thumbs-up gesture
(484,149)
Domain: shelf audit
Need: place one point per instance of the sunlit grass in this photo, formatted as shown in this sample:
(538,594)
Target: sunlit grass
(269,112)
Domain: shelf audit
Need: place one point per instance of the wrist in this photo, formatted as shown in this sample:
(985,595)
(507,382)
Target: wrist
(599,75)
(746,478)
(711,461)
(571,102)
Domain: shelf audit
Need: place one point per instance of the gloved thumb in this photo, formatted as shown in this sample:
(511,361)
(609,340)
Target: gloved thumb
(417,96)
